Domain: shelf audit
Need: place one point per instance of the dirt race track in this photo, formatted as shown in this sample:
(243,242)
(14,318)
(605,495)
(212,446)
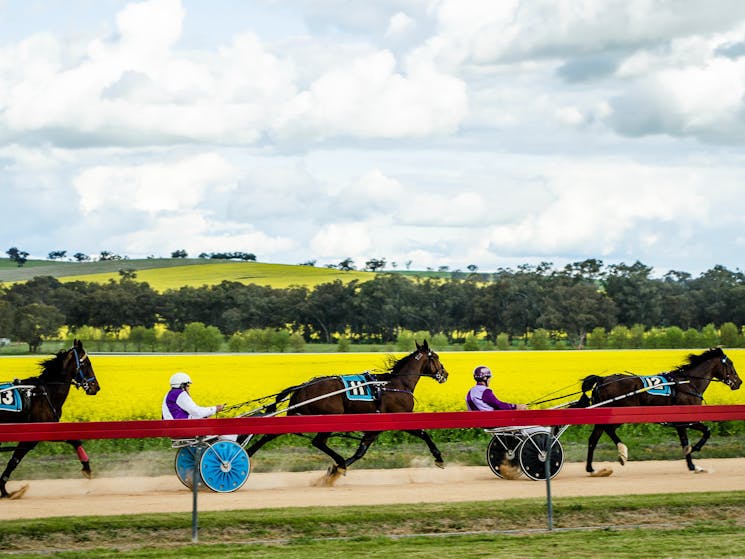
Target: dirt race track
(135,495)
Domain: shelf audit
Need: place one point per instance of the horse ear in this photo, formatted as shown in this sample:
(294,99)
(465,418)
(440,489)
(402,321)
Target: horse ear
(425,346)
(77,344)
(418,347)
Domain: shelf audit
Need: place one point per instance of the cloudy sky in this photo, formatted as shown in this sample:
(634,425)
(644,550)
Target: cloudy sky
(427,132)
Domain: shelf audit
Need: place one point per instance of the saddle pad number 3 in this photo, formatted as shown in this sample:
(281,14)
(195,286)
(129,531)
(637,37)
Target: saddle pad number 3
(10,399)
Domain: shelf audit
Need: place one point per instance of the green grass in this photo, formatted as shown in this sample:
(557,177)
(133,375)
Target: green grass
(173,273)
(699,525)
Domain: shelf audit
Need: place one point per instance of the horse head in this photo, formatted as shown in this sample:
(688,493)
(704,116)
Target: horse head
(431,366)
(725,371)
(77,366)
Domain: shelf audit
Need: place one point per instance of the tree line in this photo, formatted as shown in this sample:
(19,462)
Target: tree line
(576,304)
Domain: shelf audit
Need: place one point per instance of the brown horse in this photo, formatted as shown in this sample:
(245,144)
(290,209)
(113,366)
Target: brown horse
(330,395)
(684,385)
(41,398)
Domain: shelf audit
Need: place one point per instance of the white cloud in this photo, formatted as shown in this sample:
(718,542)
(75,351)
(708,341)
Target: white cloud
(153,188)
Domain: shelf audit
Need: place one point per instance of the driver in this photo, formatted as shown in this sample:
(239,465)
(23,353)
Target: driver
(481,397)
(178,403)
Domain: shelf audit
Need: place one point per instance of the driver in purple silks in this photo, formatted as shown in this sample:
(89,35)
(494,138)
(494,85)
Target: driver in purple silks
(481,397)
(178,403)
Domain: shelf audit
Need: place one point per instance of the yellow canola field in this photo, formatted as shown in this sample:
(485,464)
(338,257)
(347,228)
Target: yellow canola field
(133,386)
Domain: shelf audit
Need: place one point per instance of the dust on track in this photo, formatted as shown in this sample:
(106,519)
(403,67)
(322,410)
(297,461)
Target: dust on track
(103,496)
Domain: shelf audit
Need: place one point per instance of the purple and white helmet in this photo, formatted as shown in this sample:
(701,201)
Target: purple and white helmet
(482,373)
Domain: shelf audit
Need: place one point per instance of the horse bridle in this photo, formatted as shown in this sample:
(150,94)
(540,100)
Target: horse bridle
(80,380)
(727,377)
(438,373)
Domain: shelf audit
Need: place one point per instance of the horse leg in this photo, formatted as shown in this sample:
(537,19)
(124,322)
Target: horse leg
(623,451)
(261,441)
(82,456)
(368,438)
(319,441)
(683,436)
(592,442)
(422,434)
(20,451)
(688,450)
(705,434)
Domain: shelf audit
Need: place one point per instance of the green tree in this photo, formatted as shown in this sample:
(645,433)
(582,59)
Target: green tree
(539,339)
(280,340)
(471,342)
(141,336)
(674,337)
(297,342)
(503,341)
(709,335)
(36,321)
(619,337)
(171,341)
(343,344)
(637,336)
(598,338)
(438,341)
(692,338)
(6,319)
(198,337)
(729,335)
(18,256)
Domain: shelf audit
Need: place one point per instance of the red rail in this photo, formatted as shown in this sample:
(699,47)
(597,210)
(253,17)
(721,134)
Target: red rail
(363,422)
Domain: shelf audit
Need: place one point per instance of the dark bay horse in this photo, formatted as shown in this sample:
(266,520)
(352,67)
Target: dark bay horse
(41,398)
(684,385)
(395,395)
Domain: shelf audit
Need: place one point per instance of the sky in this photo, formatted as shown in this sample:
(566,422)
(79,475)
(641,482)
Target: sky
(429,133)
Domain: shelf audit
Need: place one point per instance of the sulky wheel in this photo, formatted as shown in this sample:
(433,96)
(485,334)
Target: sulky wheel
(501,455)
(224,466)
(533,455)
(185,458)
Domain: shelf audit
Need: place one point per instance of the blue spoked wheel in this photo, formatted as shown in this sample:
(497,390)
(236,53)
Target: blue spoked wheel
(224,466)
(185,459)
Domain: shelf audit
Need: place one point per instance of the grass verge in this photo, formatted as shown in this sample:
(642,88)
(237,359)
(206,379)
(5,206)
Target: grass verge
(693,525)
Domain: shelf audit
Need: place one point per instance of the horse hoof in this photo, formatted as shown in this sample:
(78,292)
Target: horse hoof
(623,454)
(18,493)
(440,464)
(509,471)
(700,470)
(87,474)
(605,472)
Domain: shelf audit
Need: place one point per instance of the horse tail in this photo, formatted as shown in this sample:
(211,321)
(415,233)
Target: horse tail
(280,397)
(588,384)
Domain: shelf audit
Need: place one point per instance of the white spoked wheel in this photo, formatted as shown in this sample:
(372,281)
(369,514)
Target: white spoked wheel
(224,466)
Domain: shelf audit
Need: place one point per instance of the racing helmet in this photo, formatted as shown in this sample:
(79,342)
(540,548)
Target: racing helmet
(179,379)
(481,373)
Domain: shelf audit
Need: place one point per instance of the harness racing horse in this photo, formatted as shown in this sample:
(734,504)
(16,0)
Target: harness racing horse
(327,395)
(41,398)
(684,385)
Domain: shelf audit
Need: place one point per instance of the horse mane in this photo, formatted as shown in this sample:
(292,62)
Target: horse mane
(52,366)
(394,366)
(693,359)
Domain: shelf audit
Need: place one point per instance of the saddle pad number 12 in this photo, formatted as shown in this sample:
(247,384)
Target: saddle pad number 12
(10,399)
(657,385)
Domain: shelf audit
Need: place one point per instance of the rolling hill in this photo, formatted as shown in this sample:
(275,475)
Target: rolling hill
(171,273)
